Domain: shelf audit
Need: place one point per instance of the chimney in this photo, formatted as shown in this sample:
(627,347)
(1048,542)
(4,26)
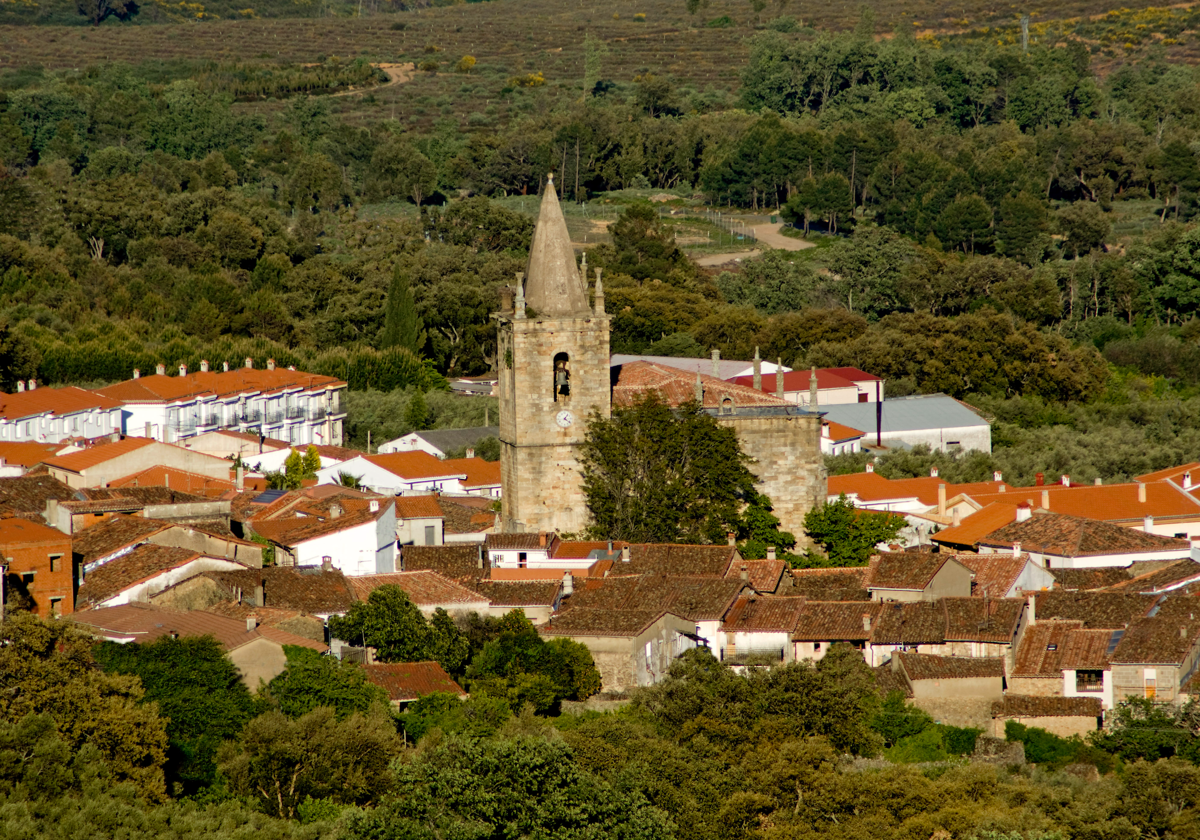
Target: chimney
(770,552)
(757,370)
(1045,500)
(149,429)
(225,367)
(241,478)
(1183,632)
(32,384)
(1187,480)
(1097,482)
(1024,511)
(1141,492)
(542,539)
(1016,548)
(941,500)
(204,365)
(20,386)
(260,594)
(251,623)
(870,466)
(166,478)
(568,588)
(716,363)
(326,563)
(291,367)
(335,510)
(249,363)
(137,374)
(625,554)
(1031,602)
(1148,523)
(699,389)
(1039,479)
(480,556)
(183,370)
(866,622)
(957,517)
(506,300)
(160,369)
(731,538)
(745,574)
(825,431)
(373,505)
(1066,480)
(779,377)
(933,471)
(997,476)
(270,364)
(115,437)
(470,453)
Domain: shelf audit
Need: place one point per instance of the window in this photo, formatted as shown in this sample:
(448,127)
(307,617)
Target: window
(727,405)
(862,398)
(430,534)
(522,557)
(1181,536)
(27,578)
(1151,688)
(1089,680)
(816,647)
(56,562)
(562,376)
(56,607)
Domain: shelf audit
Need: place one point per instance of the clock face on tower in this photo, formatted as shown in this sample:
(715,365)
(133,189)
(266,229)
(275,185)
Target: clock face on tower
(564,419)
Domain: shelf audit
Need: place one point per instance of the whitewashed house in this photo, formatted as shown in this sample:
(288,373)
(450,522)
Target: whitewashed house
(51,415)
(398,472)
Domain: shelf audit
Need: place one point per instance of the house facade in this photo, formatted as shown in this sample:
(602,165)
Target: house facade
(52,415)
(38,565)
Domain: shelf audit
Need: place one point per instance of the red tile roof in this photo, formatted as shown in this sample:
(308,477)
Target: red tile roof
(854,374)
(414,465)
(764,575)
(582,549)
(425,589)
(1025,706)
(924,666)
(693,598)
(836,621)
(1097,610)
(404,681)
(480,473)
(519,593)
(16,532)
(1173,474)
(676,559)
(141,623)
(873,487)
(418,507)
(835,584)
(456,561)
(113,534)
(187,482)
(54,400)
(911,623)
(80,461)
(1173,576)
(143,563)
(676,387)
(1107,502)
(308,590)
(995,574)
(978,525)
(839,433)
(909,571)
(1042,647)
(1076,536)
(1086,579)
(1163,639)
(796,380)
(296,530)
(763,614)
(28,453)
(991,620)
(161,388)
(584,621)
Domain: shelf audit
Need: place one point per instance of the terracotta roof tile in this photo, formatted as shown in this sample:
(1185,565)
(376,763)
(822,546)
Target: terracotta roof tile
(924,666)
(480,473)
(693,598)
(1163,639)
(1174,474)
(141,623)
(911,623)
(16,532)
(117,575)
(797,380)
(162,388)
(529,541)
(416,464)
(1097,610)
(27,453)
(991,620)
(1087,579)
(995,574)
(463,517)
(763,614)
(113,534)
(174,479)
(297,530)
(837,584)
(764,574)
(54,400)
(79,461)
(889,679)
(1106,502)
(425,589)
(873,487)
(404,681)
(676,387)
(456,561)
(519,593)
(582,549)
(839,432)
(1026,706)
(674,559)
(418,507)
(836,621)
(1042,648)
(909,571)
(308,590)
(583,621)
(978,525)
(1171,577)
(1075,536)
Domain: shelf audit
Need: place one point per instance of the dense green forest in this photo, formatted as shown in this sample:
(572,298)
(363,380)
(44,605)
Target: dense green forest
(163,739)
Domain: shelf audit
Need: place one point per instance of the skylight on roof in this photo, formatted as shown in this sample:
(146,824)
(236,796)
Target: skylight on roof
(268,496)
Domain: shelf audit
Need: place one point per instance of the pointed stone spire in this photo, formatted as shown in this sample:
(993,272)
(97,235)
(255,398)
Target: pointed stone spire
(779,378)
(599,307)
(812,388)
(520,302)
(757,370)
(699,389)
(553,286)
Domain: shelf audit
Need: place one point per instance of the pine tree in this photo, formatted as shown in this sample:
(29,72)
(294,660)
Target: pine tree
(402,326)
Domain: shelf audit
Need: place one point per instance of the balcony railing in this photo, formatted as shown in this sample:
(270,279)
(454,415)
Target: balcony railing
(211,420)
(318,413)
(272,418)
(249,416)
(294,412)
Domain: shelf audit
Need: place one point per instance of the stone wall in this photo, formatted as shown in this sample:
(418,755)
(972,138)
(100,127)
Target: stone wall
(789,465)
(1063,726)
(958,711)
(1036,686)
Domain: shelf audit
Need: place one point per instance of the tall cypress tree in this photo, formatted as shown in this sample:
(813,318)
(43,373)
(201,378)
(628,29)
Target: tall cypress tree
(402,326)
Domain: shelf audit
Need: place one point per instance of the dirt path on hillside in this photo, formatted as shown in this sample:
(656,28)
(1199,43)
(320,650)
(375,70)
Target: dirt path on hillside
(770,235)
(397,74)
(713,260)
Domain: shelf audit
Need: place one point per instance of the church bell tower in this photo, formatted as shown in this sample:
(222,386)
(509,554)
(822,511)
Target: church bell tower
(554,372)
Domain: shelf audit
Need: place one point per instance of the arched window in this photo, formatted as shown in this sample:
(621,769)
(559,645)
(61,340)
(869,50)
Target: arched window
(562,376)
(727,405)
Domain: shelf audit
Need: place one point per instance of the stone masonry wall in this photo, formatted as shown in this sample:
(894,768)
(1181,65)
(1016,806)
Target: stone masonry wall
(1036,686)
(789,465)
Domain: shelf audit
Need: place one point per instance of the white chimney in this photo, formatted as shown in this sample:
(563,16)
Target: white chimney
(730,538)
(1148,524)
(137,374)
(160,369)
(20,386)
(204,365)
(1187,480)
(32,384)
(867,622)
(225,367)
(997,476)
(1141,492)
(568,586)
(941,500)
(770,552)
(870,466)
(183,370)
(1066,480)
(1045,500)
(470,453)
(251,623)
(825,431)
(1016,548)
(249,362)
(625,558)
(241,478)
(1031,601)
(374,505)
(326,563)
(957,517)
(1097,482)
(1024,511)
(270,364)
(933,471)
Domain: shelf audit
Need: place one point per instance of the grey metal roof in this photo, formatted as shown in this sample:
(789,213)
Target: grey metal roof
(906,414)
(448,439)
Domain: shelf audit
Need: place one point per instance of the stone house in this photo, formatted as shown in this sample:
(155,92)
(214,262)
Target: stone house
(408,681)
(949,677)
(629,647)
(420,520)
(1061,716)
(142,573)
(1060,658)
(916,576)
(758,630)
(1157,655)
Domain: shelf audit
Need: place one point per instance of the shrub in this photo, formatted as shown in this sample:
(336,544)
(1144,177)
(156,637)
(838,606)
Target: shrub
(465,64)
(640,17)
(723,22)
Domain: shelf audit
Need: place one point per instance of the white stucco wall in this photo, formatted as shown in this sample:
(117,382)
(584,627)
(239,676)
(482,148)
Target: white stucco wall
(379,480)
